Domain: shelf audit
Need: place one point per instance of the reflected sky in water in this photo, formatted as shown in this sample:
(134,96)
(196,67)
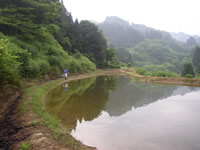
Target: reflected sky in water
(115,113)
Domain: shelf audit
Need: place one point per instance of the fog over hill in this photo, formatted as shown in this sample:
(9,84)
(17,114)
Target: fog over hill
(143,46)
(179,36)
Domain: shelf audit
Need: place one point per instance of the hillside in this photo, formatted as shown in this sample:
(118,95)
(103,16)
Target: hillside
(41,39)
(142,46)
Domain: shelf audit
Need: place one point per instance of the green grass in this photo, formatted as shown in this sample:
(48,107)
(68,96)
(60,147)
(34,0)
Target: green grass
(158,73)
(22,108)
(37,94)
(197,76)
(24,146)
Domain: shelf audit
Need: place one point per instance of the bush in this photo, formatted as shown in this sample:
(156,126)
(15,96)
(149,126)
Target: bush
(9,66)
(189,76)
(33,59)
(163,74)
(32,69)
(77,55)
(140,71)
(188,69)
(144,72)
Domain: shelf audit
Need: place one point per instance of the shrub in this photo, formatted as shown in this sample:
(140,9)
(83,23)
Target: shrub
(24,146)
(9,66)
(140,71)
(189,76)
(188,69)
(32,69)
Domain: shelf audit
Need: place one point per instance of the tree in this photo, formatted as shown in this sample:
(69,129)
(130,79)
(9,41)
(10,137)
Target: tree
(191,42)
(188,70)
(76,37)
(28,18)
(196,58)
(111,58)
(94,43)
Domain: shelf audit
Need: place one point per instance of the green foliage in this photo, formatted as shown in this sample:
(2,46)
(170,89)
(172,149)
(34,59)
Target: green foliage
(196,59)
(94,43)
(189,76)
(38,37)
(156,55)
(47,56)
(28,18)
(140,71)
(8,63)
(188,69)
(145,47)
(163,74)
(156,73)
(197,76)
(111,59)
(24,146)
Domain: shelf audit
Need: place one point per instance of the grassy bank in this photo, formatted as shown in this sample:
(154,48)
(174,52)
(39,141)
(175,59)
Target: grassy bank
(32,105)
(32,111)
(163,78)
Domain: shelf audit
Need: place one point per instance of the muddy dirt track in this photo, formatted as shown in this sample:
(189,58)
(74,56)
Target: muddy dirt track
(12,129)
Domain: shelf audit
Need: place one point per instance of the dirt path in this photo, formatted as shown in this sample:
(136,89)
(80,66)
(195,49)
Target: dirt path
(12,128)
(163,80)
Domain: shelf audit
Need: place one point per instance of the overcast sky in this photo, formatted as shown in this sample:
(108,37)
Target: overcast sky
(168,15)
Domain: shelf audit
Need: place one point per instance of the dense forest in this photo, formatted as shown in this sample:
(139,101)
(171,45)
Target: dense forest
(39,38)
(145,47)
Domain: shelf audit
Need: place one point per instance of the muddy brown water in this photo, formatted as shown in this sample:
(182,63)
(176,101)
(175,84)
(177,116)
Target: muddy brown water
(115,112)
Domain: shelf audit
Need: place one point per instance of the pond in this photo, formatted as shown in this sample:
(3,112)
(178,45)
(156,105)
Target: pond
(118,113)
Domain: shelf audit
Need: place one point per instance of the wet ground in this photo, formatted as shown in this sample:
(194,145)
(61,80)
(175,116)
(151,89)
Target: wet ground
(12,128)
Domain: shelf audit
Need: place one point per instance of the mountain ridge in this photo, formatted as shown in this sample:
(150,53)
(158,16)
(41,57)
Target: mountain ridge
(179,36)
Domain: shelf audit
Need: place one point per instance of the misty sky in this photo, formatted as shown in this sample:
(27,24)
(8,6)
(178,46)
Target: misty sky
(168,15)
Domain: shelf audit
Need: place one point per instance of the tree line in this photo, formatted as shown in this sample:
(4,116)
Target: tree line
(40,38)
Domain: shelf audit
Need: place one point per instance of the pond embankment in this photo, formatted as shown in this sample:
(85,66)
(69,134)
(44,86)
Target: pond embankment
(25,122)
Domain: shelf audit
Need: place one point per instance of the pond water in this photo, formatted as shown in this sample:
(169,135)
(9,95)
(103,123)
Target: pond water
(117,113)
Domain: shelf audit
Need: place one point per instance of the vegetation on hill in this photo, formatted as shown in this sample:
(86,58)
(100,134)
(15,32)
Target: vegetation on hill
(196,59)
(188,70)
(39,38)
(145,47)
(157,55)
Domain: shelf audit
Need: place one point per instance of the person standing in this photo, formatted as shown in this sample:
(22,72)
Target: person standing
(65,73)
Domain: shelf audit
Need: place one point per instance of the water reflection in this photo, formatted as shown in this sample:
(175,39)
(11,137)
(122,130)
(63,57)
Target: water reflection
(66,88)
(116,95)
(84,101)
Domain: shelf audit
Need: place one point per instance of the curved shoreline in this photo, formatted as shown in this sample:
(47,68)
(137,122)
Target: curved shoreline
(132,74)
(43,134)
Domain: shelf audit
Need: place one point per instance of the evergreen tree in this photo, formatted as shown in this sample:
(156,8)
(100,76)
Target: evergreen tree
(64,21)
(94,43)
(188,70)
(191,42)
(76,37)
(196,58)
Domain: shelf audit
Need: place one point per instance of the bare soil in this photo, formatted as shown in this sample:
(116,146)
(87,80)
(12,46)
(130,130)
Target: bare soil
(163,80)
(12,126)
